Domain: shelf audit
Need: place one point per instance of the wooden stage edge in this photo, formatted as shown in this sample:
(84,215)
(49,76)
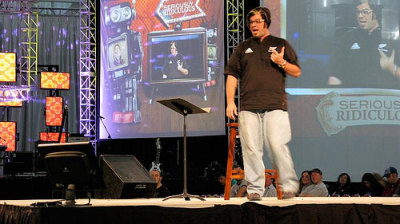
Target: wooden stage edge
(211,202)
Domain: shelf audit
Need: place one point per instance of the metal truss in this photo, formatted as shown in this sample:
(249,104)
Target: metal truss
(235,33)
(88,68)
(29,48)
(235,25)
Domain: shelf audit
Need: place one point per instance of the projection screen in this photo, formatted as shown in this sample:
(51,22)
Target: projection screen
(345,108)
(155,50)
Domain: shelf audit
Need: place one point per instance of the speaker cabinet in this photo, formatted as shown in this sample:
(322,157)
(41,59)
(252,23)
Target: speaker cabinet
(125,177)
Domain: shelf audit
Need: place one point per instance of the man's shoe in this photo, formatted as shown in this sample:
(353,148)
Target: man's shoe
(254,197)
(287,195)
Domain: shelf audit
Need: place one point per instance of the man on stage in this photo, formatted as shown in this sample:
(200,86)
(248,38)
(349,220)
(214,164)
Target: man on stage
(261,64)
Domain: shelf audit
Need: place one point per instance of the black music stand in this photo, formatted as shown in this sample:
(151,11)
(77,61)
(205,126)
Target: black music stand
(183,107)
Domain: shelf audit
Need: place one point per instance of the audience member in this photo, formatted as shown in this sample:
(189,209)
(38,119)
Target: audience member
(239,189)
(161,190)
(342,187)
(305,180)
(222,178)
(393,181)
(317,188)
(270,190)
(369,186)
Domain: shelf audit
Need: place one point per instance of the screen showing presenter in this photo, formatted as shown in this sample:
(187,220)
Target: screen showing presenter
(175,65)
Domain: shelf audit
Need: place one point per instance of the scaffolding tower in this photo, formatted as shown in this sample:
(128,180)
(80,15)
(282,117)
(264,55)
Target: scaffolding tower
(235,33)
(235,25)
(88,68)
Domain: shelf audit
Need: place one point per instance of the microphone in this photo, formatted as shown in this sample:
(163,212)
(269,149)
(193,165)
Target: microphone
(101,117)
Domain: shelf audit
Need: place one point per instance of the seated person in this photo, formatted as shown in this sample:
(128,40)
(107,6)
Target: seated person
(270,190)
(342,187)
(393,182)
(239,189)
(305,180)
(370,187)
(317,188)
(161,190)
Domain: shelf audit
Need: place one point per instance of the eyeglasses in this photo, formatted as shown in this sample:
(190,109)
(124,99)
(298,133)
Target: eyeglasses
(364,12)
(257,21)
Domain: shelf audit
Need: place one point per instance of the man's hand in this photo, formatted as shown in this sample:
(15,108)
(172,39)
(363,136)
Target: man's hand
(180,68)
(231,111)
(180,65)
(276,57)
(387,63)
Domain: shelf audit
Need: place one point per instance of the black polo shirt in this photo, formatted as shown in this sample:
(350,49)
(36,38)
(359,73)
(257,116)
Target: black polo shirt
(262,82)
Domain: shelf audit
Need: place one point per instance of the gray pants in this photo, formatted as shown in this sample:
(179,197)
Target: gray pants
(270,130)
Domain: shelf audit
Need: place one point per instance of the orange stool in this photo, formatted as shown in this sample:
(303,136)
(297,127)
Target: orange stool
(239,174)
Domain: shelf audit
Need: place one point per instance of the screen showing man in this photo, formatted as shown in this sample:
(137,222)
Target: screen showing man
(118,55)
(175,66)
(176,57)
(351,67)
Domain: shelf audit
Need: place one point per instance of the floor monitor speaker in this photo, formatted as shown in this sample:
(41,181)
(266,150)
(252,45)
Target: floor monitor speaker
(125,177)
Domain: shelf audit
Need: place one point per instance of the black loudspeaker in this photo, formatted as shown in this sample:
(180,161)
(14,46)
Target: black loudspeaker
(125,177)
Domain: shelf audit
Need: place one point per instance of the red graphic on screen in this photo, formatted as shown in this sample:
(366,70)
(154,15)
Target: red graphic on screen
(54,106)
(7,67)
(54,80)
(7,135)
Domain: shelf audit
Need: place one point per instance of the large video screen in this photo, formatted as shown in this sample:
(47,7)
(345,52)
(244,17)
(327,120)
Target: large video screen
(155,50)
(345,108)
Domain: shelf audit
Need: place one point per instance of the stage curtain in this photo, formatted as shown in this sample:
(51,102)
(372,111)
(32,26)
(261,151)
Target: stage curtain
(58,44)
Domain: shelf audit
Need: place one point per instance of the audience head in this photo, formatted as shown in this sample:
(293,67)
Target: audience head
(391,175)
(156,174)
(368,180)
(344,179)
(316,176)
(305,177)
(222,178)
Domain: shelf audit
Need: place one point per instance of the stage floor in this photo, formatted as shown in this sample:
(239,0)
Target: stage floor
(376,210)
(211,202)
